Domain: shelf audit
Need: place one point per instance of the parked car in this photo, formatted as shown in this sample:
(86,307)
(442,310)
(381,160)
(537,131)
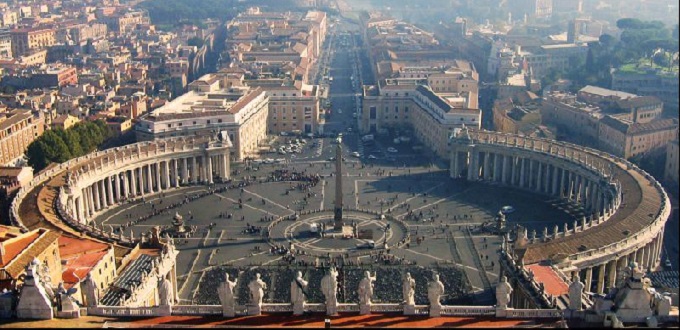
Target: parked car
(366,245)
(392,150)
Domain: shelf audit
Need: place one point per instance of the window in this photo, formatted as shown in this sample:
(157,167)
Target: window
(208,121)
(219,120)
(373,113)
(396,109)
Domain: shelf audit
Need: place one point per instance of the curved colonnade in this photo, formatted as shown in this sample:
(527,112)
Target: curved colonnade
(107,178)
(626,207)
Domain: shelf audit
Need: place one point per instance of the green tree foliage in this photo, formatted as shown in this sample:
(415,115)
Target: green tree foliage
(195,41)
(60,145)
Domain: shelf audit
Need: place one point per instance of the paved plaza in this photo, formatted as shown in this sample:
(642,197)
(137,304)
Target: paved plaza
(264,216)
(438,214)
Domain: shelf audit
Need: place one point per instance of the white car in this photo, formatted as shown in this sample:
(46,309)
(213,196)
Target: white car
(340,111)
(391,149)
(372,157)
(356,154)
(284,133)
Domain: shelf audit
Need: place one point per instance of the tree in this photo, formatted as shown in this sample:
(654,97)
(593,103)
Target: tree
(629,23)
(195,41)
(60,145)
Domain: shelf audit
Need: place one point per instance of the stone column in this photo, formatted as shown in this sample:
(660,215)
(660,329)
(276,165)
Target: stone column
(521,173)
(583,191)
(546,178)
(504,173)
(454,163)
(126,184)
(81,206)
(589,279)
(97,201)
(103,193)
(90,199)
(194,170)
(149,179)
(611,271)
(185,171)
(531,182)
(563,182)
(648,255)
(157,167)
(226,166)
(555,174)
(167,174)
(539,177)
(639,255)
(571,186)
(473,170)
(487,166)
(133,181)
(111,194)
(513,169)
(210,169)
(118,187)
(600,278)
(175,173)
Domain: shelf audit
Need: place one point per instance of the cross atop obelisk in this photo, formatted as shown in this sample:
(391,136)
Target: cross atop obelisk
(338,187)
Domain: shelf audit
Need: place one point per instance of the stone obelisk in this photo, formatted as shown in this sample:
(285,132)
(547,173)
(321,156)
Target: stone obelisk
(338,187)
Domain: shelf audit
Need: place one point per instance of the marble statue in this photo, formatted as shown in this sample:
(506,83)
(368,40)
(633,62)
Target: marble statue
(257,287)
(329,287)
(366,288)
(575,293)
(298,294)
(408,289)
(90,291)
(227,296)
(435,289)
(165,292)
(365,293)
(503,291)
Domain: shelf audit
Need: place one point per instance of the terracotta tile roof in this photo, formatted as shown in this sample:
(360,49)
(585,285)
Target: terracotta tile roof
(70,246)
(553,283)
(17,266)
(77,268)
(14,247)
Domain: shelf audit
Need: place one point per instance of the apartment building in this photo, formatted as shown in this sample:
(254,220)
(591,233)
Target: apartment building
(18,128)
(431,116)
(293,109)
(664,85)
(28,39)
(626,139)
(5,43)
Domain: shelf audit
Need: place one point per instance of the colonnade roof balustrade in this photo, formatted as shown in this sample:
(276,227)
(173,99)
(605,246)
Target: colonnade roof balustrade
(35,204)
(644,209)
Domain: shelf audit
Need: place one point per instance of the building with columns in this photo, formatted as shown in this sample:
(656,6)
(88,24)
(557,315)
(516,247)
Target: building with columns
(432,115)
(207,108)
(618,228)
(98,181)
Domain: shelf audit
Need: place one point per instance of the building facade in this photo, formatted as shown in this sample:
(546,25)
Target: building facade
(626,139)
(206,110)
(18,128)
(26,40)
(431,116)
